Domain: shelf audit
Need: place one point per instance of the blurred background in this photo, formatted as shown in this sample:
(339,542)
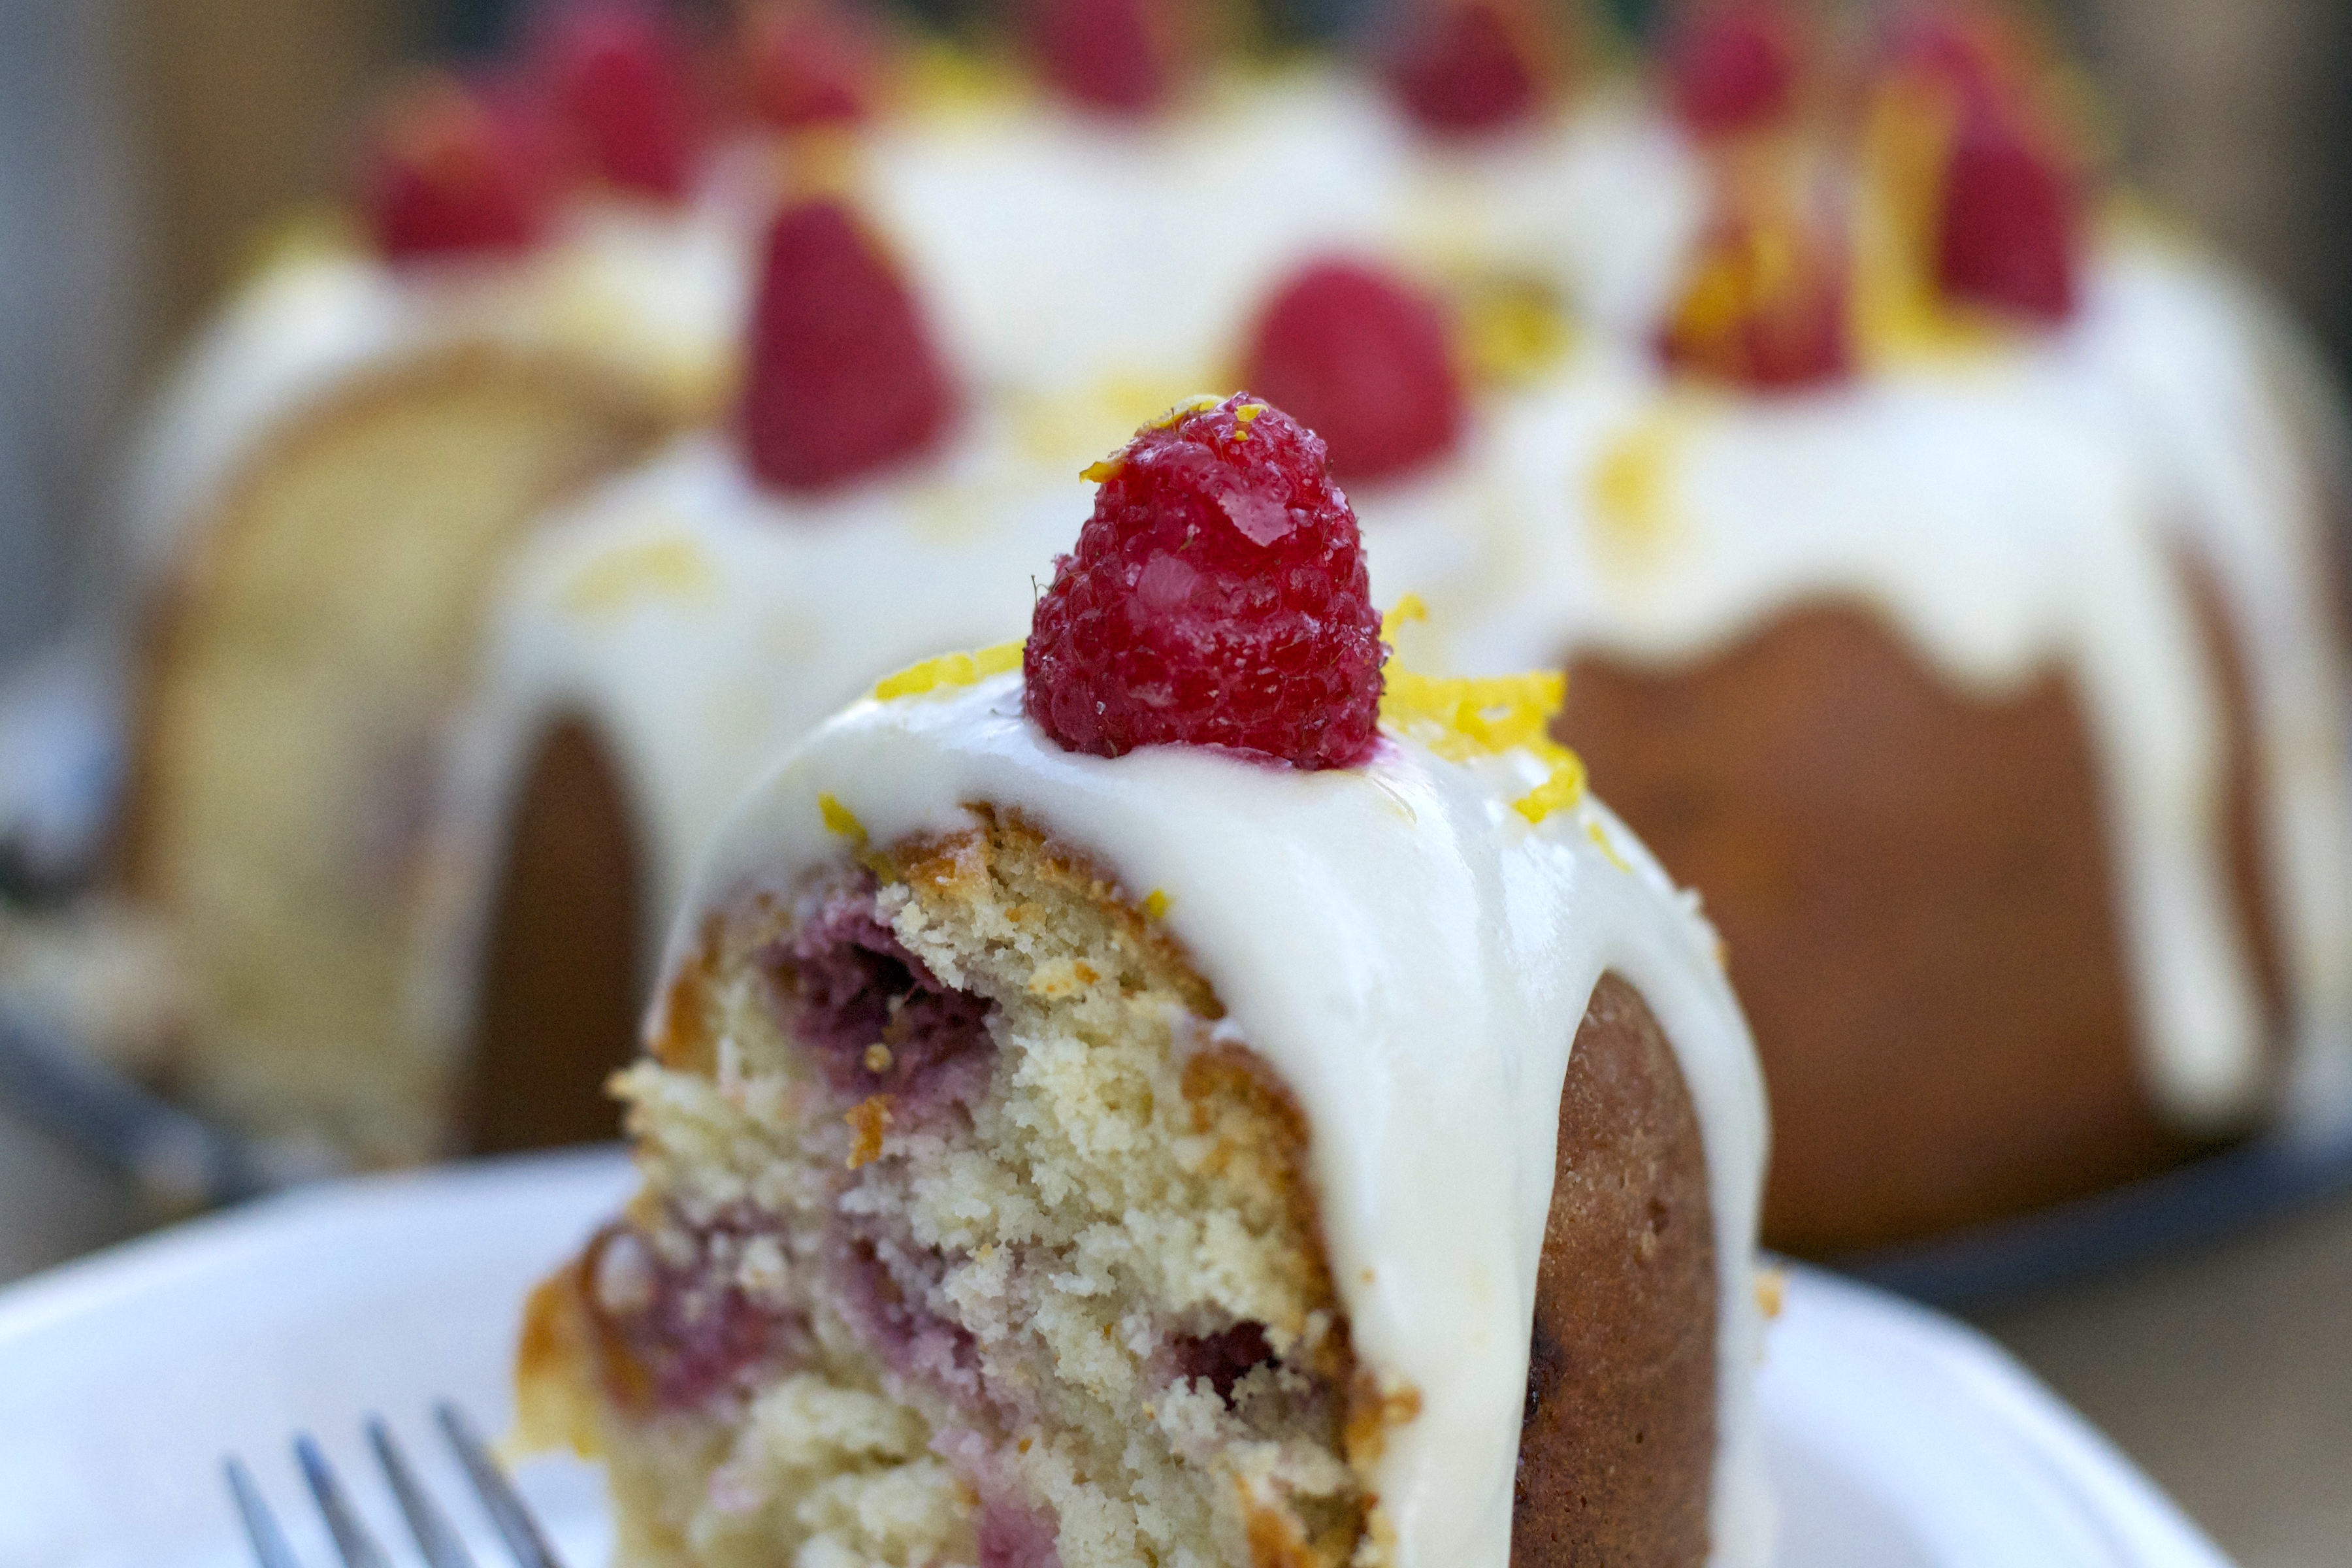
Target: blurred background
(147,147)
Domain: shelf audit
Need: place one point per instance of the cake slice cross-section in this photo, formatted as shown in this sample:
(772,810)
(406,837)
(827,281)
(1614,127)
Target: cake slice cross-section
(1186,1156)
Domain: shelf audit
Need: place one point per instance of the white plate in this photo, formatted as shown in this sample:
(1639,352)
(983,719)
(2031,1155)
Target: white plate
(1898,1439)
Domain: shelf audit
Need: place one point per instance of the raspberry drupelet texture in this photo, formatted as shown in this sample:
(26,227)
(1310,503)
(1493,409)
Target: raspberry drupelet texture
(1362,358)
(1217,597)
(843,377)
(453,167)
(619,73)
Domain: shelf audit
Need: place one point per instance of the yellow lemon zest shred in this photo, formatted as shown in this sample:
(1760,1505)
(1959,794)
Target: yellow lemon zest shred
(840,819)
(1463,717)
(1199,403)
(949,670)
(1407,609)
(1156,903)
(1593,830)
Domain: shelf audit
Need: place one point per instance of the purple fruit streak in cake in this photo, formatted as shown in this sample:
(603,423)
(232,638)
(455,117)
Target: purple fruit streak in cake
(886,1288)
(1012,1531)
(1014,1535)
(1224,1358)
(874,1015)
(689,1331)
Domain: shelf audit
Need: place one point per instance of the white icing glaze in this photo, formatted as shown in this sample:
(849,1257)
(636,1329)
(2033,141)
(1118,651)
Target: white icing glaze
(655,295)
(698,623)
(2202,371)
(1061,255)
(1412,958)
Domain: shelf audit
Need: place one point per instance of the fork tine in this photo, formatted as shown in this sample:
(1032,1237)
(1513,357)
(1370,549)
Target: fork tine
(436,1537)
(357,1547)
(508,1511)
(269,1548)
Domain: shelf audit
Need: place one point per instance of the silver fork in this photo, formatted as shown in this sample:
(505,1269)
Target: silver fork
(436,1538)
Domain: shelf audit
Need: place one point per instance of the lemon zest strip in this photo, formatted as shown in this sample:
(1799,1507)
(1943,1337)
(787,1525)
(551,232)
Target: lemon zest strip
(840,819)
(949,670)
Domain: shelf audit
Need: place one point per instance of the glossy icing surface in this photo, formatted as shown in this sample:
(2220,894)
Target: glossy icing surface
(1413,956)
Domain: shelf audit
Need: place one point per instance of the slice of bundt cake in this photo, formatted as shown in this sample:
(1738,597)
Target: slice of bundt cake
(1183,1102)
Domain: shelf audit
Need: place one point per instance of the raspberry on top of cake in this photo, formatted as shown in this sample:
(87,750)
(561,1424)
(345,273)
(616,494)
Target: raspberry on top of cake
(1166,1093)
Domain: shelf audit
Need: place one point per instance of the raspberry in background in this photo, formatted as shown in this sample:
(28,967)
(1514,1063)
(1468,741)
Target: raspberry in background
(810,64)
(2008,235)
(1731,68)
(1965,50)
(621,75)
(1764,306)
(1464,67)
(1114,57)
(1360,357)
(843,377)
(451,167)
(1217,597)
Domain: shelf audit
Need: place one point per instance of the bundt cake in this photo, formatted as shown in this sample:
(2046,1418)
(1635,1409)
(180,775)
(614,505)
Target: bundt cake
(316,511)
(1253,1118)
(1945,590)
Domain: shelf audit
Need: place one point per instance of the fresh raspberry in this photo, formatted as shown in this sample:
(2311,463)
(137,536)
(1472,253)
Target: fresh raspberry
(453,167)
(811,65)
(2008,236)
(1764,308)
(1464,67)
(1361,358)
(843,378)
(1112,57)
(1217,598)
(620,74)
(1732,68)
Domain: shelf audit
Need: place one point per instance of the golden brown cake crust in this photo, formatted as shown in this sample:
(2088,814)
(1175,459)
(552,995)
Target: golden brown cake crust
(1617,1453)
(560,988)
(1915,891)
(297,663)
(634,419)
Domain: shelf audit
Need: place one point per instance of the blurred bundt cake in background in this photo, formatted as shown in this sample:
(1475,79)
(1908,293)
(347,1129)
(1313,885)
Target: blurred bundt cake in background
(1947,592)
(317,508)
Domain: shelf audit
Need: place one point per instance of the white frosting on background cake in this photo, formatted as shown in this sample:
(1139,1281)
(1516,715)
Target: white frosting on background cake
(1061,255)
(2006,512)
(655,295)
(2203,377)
(1412,958)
